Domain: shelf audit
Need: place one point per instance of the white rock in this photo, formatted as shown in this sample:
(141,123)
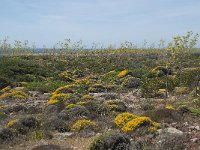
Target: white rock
(194,128)
(171,130)
(194,140)
(197,128)
(66,134)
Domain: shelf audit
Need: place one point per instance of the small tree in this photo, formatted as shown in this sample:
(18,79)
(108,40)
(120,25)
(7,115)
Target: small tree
(179,52)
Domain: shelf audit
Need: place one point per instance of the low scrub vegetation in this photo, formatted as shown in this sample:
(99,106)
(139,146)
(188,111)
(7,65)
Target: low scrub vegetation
(123,98)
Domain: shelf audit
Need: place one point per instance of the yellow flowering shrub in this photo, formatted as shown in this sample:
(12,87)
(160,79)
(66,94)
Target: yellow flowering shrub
(56,98)
(112,72)
(115,105)
(66,73)
(23,83)
(94,77)
(69,106)
(1,113)
(158,71)
(66,89)
(152,129)
(138,122)
(5,89)
(14,94)
(122,74)
(109,76)
(97,87)
(87,97)
(18,94)
(68,79)
(123,118)
(81,103)
(162,90)
(82,81)
(3,106)
(169,107)
(11,123)
(67,76)
(84,124)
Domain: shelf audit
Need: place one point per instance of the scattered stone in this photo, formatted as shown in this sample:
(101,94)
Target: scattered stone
(171,130)
(34,93)
(66,134)
(194,140)
(194,128)
(185,124)
(105,96)
(197,128)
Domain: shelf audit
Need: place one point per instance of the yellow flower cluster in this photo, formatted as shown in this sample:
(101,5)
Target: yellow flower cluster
(84,124)
(128,122)
(138,122)
(5,89)
(66,73)
(3,106)
(82,81)
(111,72)
(1,113)
(123,118)
(74,105)
(65,89)
(14,94)
(70,106)
(62,93)
(11,123)
(169,107)
(122,74)
(81,103)
(56,98)
(87,97)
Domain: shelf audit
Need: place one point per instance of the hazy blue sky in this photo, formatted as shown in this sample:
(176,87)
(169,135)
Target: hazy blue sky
(105,21)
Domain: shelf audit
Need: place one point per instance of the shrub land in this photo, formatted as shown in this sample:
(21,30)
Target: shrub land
(120,99)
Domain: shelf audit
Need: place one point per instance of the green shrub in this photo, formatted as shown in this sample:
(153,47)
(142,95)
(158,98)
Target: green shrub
(54,123)
(4,82)
(188,76)
(45,86)
(6,135)
(115,105)
(84,125)
(131,82)
(112,140)
(159,71)
(21,70)
(96,88)
(166,115)
(47,147)
(23,125)
(74,113)
(195,111)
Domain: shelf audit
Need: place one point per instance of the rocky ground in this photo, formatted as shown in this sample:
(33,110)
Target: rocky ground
(179,130)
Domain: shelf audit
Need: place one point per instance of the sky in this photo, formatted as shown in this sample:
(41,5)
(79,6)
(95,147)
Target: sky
(46,22)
